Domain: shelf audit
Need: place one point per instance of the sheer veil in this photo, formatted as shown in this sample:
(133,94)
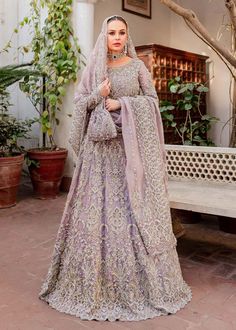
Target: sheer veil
(96,69)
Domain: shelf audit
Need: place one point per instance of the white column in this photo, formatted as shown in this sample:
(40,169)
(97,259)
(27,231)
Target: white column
(84,24)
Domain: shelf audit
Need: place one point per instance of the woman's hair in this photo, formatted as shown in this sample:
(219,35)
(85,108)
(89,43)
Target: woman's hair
(117,18)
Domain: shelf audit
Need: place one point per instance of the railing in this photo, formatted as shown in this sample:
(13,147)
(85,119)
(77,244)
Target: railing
(208,164)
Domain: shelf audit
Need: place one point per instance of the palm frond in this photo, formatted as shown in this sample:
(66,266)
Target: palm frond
(10,74)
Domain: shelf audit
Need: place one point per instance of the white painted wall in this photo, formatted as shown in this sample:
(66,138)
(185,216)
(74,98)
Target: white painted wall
(11,13)
(210,14)
(142,30)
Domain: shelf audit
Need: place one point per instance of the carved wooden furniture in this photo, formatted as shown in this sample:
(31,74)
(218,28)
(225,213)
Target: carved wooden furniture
(165,63)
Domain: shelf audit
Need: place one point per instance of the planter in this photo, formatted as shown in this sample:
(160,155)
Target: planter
(10,173)
(46,178)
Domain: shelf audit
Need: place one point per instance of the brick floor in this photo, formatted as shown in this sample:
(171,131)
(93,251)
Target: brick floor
(207,256)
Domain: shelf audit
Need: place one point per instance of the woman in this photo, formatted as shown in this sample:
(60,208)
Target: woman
(115,254)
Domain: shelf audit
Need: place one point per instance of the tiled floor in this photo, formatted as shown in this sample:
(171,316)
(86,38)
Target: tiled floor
(27,234)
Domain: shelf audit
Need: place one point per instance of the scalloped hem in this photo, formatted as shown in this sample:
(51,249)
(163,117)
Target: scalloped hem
(118,313)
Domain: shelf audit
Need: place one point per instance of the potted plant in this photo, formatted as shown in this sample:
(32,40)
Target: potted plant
(56,53)
(191,131)
(11,154)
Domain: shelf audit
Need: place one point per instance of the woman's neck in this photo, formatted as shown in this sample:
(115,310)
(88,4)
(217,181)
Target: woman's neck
(118,62)
(115,56)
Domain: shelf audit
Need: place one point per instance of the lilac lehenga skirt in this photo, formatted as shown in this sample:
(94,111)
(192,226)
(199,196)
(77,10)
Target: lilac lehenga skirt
(100,268)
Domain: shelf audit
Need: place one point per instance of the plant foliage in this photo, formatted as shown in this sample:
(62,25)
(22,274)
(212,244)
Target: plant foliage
(56,54)
(10,128)
(191,132)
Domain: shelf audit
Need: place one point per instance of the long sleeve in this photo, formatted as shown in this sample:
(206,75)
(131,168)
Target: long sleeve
(90,100)
(145,81)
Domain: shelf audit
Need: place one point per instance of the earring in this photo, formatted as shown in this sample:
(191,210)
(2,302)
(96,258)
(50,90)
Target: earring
(126,49)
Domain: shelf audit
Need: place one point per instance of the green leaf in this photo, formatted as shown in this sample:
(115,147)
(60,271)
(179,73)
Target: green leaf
(44,129)
(190,86)
(182,90)
(197,138)
(188,97)
(169,117)
(60,80)
(174,88)
(49,131)
(188,106)
(209,118)
(183,129)
(62,90)
(187,143)
(52,99)
(202,89)
(45,114)
(163,109)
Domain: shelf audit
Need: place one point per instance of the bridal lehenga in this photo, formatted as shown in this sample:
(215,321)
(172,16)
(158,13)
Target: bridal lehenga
(115,253)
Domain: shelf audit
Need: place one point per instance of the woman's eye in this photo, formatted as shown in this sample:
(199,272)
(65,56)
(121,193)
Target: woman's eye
(120,33)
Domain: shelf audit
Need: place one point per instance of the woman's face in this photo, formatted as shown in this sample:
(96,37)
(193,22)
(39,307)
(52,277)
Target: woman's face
(116,36)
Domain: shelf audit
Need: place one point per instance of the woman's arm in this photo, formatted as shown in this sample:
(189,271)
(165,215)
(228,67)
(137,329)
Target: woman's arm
(91,100)
(94,98)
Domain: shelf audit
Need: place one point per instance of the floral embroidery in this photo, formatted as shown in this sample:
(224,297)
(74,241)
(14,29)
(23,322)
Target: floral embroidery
(100,268)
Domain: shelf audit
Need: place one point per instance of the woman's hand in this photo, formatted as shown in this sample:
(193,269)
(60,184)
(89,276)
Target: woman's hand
(105,88)
(112,105)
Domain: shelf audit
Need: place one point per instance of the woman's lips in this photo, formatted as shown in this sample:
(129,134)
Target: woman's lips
(117,44)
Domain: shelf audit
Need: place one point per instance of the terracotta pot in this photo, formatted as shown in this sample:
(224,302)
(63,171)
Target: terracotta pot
(10,173)
(47,177)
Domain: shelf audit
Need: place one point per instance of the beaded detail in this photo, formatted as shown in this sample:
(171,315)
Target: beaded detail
(100,268)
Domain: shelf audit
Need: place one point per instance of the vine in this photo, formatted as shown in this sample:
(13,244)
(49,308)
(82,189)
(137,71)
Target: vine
(56,53)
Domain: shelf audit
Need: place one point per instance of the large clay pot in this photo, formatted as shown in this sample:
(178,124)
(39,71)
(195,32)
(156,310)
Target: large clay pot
(47,177)
(10,173)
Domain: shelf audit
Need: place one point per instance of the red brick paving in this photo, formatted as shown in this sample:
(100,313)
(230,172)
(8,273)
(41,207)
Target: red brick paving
(207,256)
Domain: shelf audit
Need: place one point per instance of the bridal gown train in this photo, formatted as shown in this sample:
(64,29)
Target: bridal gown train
(100,268)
